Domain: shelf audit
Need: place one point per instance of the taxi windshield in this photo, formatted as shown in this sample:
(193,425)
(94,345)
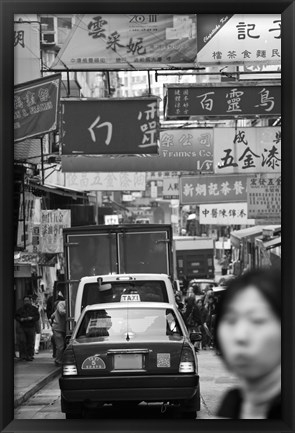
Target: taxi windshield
(128,323)
(145,291)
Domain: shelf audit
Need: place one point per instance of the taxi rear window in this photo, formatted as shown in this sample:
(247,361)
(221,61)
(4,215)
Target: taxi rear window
(120,291)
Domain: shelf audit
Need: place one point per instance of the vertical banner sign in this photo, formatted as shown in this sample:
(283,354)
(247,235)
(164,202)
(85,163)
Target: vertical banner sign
(238,39)
(36,107)
(227,100)
(247,150)
(128,41)
(110,126)
(225,214)
(213,189)
(26,52)
(264,196)
(51,230)
(124,181)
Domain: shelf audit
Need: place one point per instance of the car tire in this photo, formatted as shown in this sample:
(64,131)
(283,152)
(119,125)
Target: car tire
(189,408)
(72,415)
(189,415)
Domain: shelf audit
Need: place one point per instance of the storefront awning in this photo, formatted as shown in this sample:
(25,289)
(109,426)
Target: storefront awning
(238,235)
(272,243)
(60,190)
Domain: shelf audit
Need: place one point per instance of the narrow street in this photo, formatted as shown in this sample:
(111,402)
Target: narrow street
(214,381)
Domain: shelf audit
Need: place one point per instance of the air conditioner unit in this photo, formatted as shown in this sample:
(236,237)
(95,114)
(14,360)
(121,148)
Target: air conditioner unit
(48,38)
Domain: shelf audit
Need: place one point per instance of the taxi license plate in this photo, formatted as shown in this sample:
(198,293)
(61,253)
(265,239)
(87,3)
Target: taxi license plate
(128,362)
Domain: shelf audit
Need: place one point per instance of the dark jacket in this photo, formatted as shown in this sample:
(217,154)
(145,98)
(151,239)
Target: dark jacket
(192,312)
(27,311)
(231,406)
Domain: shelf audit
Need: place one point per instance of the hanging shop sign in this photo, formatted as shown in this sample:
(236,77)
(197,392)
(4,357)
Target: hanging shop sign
(26,51)
(228,100)
(128,41)
(170,188)
(36,107)
(238,39)
(264,196)
(213,189)
(180,150)
(225,214)
(247,150)
(124,181)
(51,230)
(110,126)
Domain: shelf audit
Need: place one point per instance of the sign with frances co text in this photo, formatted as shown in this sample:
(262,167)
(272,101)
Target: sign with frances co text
(213,189)
(264,196)
(129,41)
(110,126)
(124,181)
(238,39)
(36,107)
(227,100)
(247,150)
(225,214)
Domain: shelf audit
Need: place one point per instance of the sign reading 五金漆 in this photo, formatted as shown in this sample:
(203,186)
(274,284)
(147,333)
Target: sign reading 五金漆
(238,39)
(110,126)
(264,196)
(213,189)
(124,181)
(36,107)
(247,150)
(227,100)
(129,41)
(51,230)
(225,214)
(180,150)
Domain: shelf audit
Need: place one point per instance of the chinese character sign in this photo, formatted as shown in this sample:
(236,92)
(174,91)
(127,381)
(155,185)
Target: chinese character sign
(129,41)
(225,214)
(51,230)
(36,107)
(239,39)
(226,100)
(170,188)
(180,150)
(213,189)
(264,196)
(111,126)
(247,150)
(124,181)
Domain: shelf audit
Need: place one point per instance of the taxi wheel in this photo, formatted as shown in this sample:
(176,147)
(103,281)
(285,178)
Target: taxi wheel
(189,415)
(71,415)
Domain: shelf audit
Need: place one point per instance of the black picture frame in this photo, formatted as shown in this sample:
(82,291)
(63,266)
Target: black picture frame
(8,9)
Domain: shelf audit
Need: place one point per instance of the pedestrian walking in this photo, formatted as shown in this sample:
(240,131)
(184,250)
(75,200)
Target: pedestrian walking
(224,265)
(49,311)
(206,334)
(192,316)
(248,335)
(27,316)
(58,320)
(38,324)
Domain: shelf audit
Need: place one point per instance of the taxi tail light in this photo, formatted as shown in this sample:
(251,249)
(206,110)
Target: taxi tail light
(69,366)
(187,361)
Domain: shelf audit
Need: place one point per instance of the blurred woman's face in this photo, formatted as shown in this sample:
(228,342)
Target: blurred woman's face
(249,334)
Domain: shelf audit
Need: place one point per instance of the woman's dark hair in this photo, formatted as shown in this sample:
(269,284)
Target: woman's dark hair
(266,281)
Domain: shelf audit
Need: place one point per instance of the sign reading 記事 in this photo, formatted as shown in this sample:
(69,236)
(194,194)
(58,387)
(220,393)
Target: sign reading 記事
(247,150)
(238,39)
(180,150)
(51,230)
(264,196)
(213,189)
(129,41)
(225,214)
(36,107)
(227,100)
(125,181)
(110,126)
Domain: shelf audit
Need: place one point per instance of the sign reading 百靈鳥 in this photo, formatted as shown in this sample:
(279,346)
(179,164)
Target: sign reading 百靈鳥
(264,196)
(247,150)
(128,41)
(36,107)
(51,230)
(238,39)
(110,126)
(225,214)
(213,189)
(227,100)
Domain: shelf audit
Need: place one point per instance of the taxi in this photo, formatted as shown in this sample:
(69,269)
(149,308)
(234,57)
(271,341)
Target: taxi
(130,351)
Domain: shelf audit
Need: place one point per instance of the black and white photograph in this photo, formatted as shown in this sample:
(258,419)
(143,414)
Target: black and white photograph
(149,206)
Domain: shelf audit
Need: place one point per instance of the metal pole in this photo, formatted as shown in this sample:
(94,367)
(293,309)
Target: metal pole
(149,81)
(42,162)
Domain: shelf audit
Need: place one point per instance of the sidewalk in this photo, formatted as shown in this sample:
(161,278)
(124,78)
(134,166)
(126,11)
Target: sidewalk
(30,377)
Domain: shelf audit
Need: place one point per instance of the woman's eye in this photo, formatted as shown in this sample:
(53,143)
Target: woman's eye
(258,321)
